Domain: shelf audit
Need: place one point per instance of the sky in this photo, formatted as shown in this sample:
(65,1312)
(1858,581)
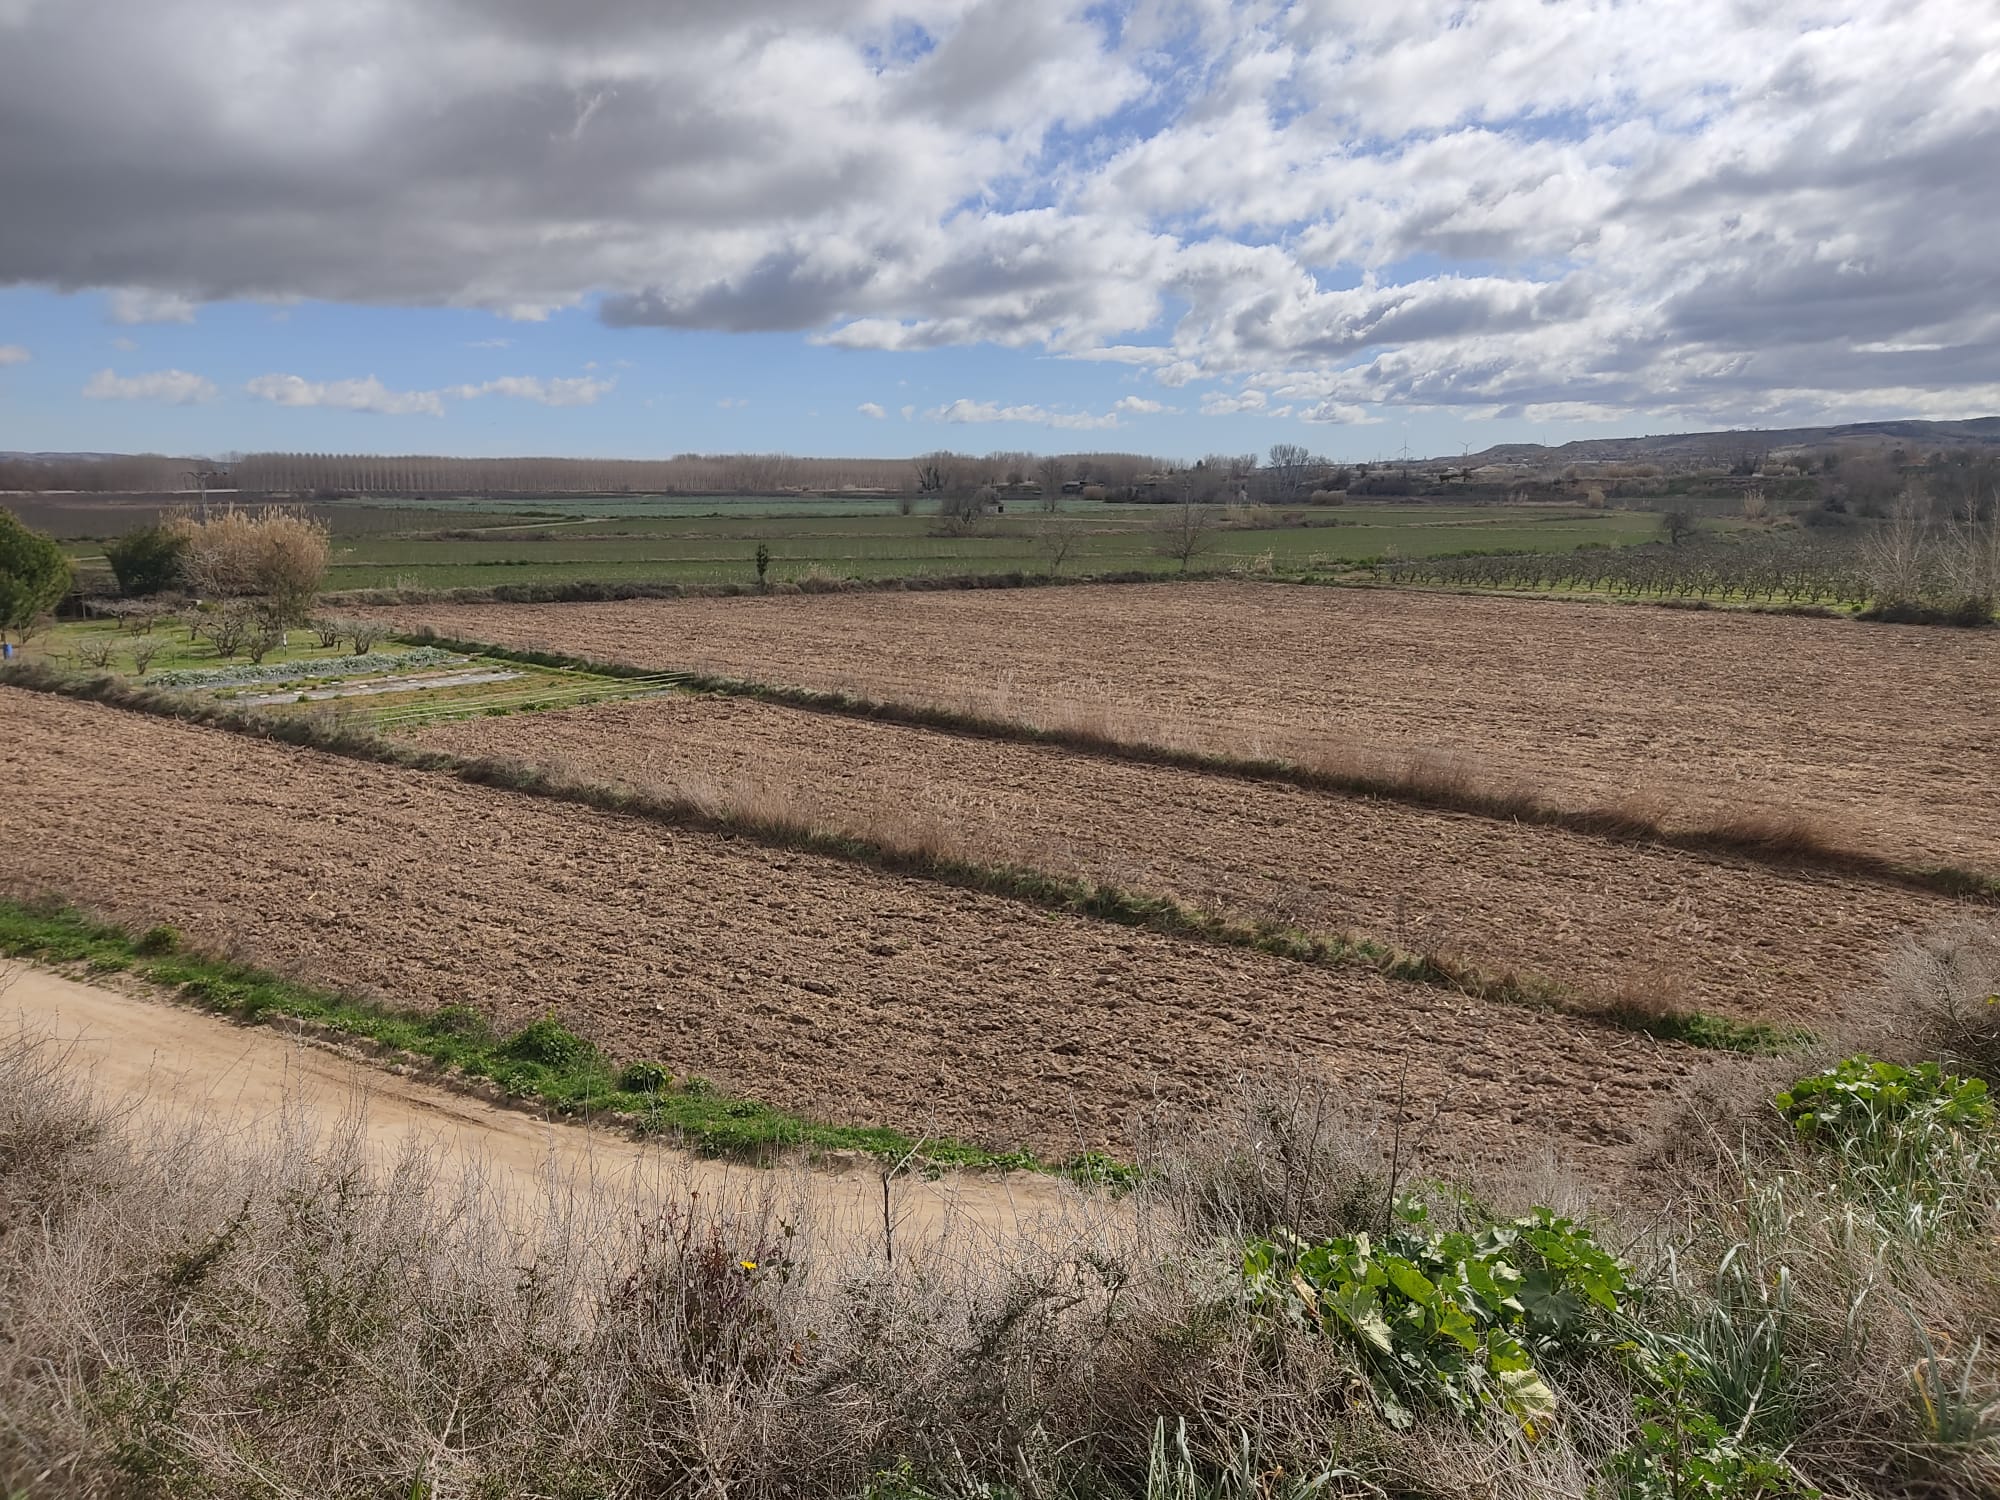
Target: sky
(634,228)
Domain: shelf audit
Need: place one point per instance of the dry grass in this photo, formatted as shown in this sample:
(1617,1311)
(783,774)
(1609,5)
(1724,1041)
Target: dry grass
(193,1313)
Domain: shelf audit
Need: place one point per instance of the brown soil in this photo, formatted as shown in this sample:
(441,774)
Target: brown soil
(172,1065)
(1881,734)
(808,982)
(1728,936)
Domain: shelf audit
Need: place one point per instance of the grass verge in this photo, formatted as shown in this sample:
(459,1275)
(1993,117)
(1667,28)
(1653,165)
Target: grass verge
(1051,892)
(543,1062)
(1774,841)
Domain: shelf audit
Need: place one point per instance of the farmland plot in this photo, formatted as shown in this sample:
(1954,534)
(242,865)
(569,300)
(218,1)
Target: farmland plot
(1881,735)
(799,980)
(1612,920)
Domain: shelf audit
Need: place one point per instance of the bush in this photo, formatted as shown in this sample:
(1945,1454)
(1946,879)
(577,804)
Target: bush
(645,1078)
(34,574)
(280,555)
(547,1042)
(147,561)
(1456,1319)
(155,942)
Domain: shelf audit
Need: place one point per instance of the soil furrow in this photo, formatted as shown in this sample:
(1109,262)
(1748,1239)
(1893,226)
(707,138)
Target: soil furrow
(822,987)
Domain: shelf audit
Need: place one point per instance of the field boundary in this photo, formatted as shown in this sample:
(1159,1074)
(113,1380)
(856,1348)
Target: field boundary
(449,1053)
(1070,895)
(1775,842)
(585,591)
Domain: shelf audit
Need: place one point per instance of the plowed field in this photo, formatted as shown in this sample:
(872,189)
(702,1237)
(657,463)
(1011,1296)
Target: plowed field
(1881,734)
(1726,936)
(807,982)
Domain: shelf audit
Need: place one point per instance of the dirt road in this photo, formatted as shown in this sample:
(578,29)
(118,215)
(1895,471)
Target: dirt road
(170,1064)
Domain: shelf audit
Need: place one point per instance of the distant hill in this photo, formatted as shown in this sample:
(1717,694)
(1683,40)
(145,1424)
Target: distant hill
(1723,447)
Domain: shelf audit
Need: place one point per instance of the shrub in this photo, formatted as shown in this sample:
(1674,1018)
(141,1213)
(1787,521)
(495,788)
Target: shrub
(158,941)
(34,574)
(645,1078)
(547,1042)
(147,561)
(1454,1319)
(280,555)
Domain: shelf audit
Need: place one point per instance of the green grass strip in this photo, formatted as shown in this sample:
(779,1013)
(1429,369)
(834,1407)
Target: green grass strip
(543,1061)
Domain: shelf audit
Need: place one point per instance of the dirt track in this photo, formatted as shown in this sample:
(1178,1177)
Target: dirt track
(1883,734)
(806,982)
(170,1064)
(1728,936)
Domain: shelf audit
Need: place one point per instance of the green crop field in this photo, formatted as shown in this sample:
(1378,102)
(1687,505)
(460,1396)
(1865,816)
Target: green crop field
(720,548)
(481,543)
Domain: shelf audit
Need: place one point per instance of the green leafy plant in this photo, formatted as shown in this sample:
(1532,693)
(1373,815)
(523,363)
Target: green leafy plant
(1681,1452)
(1915,1143)
(547,1042)
(1453,1318)
(645,1078)
(1864,1100)
(157,941)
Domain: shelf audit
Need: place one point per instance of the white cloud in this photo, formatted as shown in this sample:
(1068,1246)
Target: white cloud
(572,390)
(490,344)
(14,354)
(1698,209)
(963,410)
(124,345)
(367,395)
(909,413)
(1140,406)
(175,387)
(1217,404)
(135,304)
(871,409)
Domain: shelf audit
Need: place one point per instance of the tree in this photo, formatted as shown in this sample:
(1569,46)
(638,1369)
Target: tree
(280,556)
(1678,524)
(1053,474)
(147,561)
(1897,555)
(1189,533)
(1057,537)
(34,575)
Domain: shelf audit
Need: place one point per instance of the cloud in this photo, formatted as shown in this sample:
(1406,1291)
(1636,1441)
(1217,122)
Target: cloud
(1217,404)
(490,344)
(143,305)
(366,395)
(1430,205)
(871,409)
(1139,406)
(963,410)
(14,354)
(174,387)
(573,390)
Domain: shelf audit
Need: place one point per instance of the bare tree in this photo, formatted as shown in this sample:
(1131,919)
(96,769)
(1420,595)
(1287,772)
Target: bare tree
(143,653)
(1898,552)
(1678,524)
(1053,473)
(1056,537)
(1187,534)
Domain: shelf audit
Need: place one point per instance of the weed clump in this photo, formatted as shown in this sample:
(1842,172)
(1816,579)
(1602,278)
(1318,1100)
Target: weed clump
(158,941)
(547,1042)
(645,1078)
